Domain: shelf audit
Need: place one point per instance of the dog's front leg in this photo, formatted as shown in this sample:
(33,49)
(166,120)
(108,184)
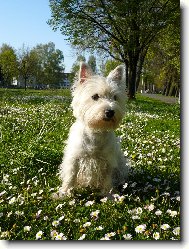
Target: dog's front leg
(68,174)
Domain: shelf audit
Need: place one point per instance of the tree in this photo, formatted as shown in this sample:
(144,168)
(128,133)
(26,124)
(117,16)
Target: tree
(110,65)
(162,63)
(27,64)
(122,29)
(8,64)
(92,63)
(50,65)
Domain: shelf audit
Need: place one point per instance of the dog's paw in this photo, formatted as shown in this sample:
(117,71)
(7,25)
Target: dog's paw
(61,194)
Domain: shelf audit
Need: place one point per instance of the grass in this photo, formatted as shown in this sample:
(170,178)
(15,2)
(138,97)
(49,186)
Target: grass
(33,128)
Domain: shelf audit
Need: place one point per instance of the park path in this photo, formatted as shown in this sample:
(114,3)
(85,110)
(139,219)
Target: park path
(165,99)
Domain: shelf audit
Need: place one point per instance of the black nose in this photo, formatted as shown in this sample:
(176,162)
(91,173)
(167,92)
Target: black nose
(109,113)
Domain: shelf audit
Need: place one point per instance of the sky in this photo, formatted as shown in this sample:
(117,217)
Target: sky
(25,22)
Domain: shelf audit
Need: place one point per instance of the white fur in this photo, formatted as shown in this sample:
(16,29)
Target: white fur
(92,156)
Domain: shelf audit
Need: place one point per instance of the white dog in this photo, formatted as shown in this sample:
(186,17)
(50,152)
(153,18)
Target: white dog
(93,155)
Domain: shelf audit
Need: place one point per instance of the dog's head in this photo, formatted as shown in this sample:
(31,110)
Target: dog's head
(97,101)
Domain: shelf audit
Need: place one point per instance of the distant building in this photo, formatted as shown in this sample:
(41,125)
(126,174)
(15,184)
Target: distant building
(66,82)
(32,83)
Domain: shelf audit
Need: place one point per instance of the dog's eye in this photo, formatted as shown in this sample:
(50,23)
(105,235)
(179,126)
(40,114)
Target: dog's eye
(115,97)
(95,97)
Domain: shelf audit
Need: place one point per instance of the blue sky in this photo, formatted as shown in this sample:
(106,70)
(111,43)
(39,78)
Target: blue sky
(24,22)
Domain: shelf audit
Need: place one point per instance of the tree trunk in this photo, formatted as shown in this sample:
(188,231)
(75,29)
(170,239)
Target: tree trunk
(132,77)
(132,83)
(126,75)
(140,65)
(25,83)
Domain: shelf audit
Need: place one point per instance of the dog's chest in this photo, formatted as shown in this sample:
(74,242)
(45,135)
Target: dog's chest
(97,144)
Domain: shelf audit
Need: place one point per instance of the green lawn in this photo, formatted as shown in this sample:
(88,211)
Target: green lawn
(33,128)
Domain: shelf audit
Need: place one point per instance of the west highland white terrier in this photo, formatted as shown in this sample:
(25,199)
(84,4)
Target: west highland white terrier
(93,156)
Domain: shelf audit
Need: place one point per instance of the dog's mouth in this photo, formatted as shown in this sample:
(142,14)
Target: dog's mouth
(108,119)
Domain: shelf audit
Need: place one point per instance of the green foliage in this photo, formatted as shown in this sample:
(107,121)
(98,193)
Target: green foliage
(34,126)
(92,63)
(162,63)
(123,31)
(50,63)
(109,66)
(42,64)
(8,63)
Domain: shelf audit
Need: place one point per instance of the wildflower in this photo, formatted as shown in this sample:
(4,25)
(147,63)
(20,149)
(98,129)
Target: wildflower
(1,215)
(99,228)
(87,224)
(54,234)
(138,210)
(19,213)
(46,218)
(111,234)
(172,238)
(82,237)
(55,223)
(133,184)
(165,226)
(39,235)
(166,194)
(116,196)
(95,214)
(61,218)
(121,198)
(21,199)
(140,228)
(125,185)
(168,211)
(127,236)
(125,153)
(163,150)
(59,206)
(40,191)
(173,213)
(76,220)
(104,199)
(176,231)
(12,200)
(178,198)
(4,234)
(38,213)
(89,203)
(60,236)
(9,214)
(71,203)
(150,207)
(36,182)
(135,217)
(137,199)
(149,162)
(158,212)
(156,235)
(27,228)
(105,238)
(2,193)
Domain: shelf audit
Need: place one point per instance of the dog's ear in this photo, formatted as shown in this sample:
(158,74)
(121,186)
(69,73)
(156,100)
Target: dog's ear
(84,72)
(117,75)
